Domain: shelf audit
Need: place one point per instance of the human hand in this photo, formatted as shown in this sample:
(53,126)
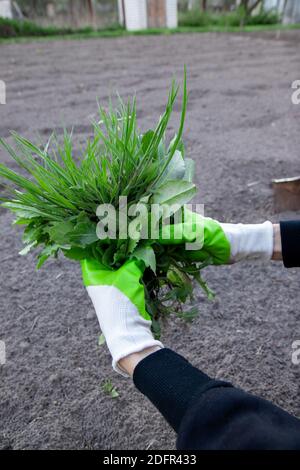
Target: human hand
(223,243)
(119,302)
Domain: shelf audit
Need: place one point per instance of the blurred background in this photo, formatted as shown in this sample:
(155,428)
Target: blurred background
(141,14)
(242,130)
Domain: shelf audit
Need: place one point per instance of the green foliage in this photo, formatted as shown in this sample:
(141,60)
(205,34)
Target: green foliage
(224,23)
(15,28)
(24,28)
(194,18)
(56,201)
(174,192)
(198,18)
(264,18)
(147,256)
(109,389)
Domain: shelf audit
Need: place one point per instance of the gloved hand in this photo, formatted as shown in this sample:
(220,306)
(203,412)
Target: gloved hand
(223,243)
(119,302)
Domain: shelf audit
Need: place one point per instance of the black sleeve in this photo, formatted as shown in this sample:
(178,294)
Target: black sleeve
(290,240)
(210,414)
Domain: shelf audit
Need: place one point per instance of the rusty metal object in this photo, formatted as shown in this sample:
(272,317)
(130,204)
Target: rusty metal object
(286,194)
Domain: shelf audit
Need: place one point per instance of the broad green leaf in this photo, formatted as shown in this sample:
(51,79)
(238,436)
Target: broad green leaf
(32,234)
(189,170)
(132,244)
(58,231)
(174,192)
(175,170)
(46,253)
(77,253)
(83,234)
(147,255)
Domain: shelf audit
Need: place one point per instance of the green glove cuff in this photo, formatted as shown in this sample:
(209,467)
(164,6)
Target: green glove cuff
(126,279)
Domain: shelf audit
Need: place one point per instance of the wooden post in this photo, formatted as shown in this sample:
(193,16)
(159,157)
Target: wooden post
(124,13)
(157,17)
(73,16)
(91,11)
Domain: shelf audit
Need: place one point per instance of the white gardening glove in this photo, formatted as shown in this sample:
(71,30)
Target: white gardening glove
(119,302)
(250,241)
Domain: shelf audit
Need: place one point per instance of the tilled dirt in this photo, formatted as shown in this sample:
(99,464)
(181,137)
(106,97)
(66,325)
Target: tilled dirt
(242,130)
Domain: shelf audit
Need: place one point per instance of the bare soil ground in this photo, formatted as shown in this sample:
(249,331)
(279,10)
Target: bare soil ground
(242,130)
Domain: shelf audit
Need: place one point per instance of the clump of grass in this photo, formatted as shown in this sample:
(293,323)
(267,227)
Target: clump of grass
(15,28)
(109,389)
(264,18)
(203,19)
(24,28)
(57,201)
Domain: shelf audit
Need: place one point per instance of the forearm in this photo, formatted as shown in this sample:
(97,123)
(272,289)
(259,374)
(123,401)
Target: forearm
(290,243)
(265,241)
(277,248)
(280,243)
(129,363)
(171,383)
(287,243)
(167,379)
(208,413)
